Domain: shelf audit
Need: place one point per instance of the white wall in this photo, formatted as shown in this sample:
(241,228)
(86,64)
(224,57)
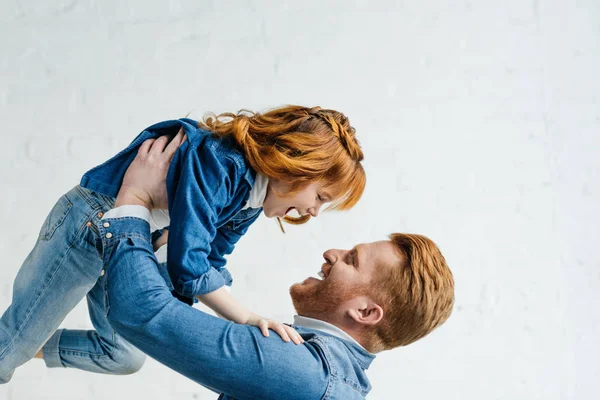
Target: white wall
(480,122)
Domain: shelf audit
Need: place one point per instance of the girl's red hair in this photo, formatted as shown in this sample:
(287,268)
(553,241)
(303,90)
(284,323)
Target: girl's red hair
(299,145)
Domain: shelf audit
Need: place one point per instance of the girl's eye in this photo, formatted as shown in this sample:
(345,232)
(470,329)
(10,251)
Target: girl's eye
(319,197)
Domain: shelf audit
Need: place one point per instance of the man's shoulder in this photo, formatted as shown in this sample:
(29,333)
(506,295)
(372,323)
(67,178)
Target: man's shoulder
(347,365)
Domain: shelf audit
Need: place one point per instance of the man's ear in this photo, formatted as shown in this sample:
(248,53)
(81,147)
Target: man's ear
(365,311)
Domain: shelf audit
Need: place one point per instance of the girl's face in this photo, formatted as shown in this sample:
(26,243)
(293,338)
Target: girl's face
(278,202)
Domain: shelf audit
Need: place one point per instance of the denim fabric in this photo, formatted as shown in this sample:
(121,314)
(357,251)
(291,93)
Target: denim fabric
(232,359)
(64,267)
(208,184)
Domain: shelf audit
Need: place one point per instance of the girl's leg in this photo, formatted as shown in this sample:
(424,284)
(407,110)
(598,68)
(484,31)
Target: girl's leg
(62,267)
(102,350)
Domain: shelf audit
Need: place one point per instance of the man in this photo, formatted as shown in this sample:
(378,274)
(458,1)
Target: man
(374,297)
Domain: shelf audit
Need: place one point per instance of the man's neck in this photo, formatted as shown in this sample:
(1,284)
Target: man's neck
(329,327)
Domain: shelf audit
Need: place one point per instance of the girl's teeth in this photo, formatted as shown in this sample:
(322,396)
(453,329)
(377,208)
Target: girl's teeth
(321,274)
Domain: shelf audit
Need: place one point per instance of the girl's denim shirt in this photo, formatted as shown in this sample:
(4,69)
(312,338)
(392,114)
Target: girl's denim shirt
(208,184)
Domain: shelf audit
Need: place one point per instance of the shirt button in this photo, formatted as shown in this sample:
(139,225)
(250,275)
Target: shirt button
(102,272)
(108,235)
(100,214)
(88,224)
(106,224)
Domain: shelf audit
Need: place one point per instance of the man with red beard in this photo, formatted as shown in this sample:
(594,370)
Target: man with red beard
(374,297)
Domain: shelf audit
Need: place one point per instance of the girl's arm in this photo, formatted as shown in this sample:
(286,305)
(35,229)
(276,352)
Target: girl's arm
(227,307)
(224,304)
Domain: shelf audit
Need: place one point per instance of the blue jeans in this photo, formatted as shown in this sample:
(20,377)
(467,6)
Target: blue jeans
(64,266)
(228,358)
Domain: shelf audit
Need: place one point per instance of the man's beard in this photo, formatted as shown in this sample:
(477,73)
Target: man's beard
(322,300)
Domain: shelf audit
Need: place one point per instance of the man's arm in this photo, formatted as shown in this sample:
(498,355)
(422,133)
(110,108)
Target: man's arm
(228,357)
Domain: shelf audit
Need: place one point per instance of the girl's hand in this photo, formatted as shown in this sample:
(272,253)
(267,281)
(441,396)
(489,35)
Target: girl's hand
(286,332)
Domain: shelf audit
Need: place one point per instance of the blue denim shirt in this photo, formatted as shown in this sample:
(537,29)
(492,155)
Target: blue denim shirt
(208,184)
(232,359)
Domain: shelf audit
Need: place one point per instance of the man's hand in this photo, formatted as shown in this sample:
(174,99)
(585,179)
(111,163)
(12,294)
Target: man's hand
(145,182)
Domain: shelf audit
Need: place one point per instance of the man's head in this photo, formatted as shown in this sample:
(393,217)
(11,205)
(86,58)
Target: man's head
(385,294)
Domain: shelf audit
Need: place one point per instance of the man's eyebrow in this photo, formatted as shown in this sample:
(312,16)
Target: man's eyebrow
(355,256)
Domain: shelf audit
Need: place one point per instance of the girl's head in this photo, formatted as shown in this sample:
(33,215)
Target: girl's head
(310,155)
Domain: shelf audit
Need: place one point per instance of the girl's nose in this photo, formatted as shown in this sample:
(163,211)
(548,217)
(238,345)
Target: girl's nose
(314,211)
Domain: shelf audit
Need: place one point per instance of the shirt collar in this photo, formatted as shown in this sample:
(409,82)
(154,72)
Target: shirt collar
(258,192)
(326,327)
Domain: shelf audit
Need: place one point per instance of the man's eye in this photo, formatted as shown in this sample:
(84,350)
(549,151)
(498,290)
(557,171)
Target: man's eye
(351,258)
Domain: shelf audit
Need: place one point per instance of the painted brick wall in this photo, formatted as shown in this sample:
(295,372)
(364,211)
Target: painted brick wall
(480,122)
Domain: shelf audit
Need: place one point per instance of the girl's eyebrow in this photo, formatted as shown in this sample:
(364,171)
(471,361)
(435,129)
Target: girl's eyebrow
(326,195)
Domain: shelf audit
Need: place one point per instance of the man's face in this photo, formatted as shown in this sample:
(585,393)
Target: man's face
(346,274)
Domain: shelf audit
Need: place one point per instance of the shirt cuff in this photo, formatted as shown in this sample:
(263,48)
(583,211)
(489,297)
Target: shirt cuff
(114,229)
(209,281)
(161,254)
(226,276)
(128,211)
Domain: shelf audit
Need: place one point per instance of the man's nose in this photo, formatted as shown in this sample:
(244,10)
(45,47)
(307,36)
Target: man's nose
(329,256)
(332,255)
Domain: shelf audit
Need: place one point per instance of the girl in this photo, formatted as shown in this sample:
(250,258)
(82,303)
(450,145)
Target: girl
(230,168)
